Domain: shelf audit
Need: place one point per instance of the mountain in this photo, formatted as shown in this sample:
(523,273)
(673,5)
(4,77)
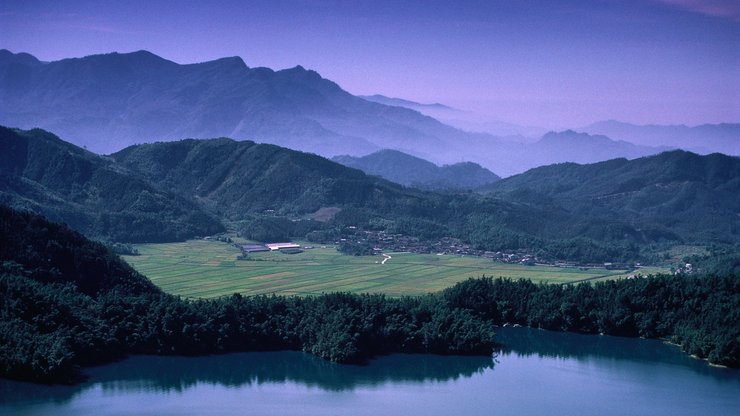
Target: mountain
(571,146)
(236,178)
(167,191)
(400,102)
(465,120)
(412,171)
(706,138)
(602,219)
(107,102)
(675,195)
(93,194)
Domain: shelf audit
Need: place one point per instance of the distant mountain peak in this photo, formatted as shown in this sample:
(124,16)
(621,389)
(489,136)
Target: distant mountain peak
(7,57)
(704,138)
(400,102)
(573,136)
(410,170)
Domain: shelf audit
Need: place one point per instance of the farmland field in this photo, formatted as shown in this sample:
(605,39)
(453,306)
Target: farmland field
(207,269)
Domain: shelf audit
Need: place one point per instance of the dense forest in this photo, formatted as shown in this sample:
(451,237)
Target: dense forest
(69,302)
(91,193)
(700,313)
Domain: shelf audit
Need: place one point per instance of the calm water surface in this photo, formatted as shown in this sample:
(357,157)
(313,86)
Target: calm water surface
(537,373)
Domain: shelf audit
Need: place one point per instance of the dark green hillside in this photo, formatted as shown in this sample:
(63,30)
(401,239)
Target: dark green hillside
(672,196)
(237,178)
(42,173)
(409,170)
(243,179)
(51,253)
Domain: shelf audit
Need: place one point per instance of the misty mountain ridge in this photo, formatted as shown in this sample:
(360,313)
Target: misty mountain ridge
(703,139)
(409,170)
(107,102)
(400,102)
(562,146)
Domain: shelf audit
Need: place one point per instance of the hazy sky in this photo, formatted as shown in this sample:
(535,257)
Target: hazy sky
(551,63)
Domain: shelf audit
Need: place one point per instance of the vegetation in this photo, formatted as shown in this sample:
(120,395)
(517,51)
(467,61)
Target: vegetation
(271,229)
(616,211)
(700,313)
(209,269)
(610,211)
(676,196)
(41,173)
(412,171)
(68,302)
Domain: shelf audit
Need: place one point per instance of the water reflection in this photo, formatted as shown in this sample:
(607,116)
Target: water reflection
(528,357)
(525,342)
(165,374)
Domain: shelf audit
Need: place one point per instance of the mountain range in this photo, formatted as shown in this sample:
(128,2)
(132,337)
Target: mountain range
(409,170)
(170,191)
(703,139)
(108,102)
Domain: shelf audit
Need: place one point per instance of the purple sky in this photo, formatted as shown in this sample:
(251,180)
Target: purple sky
(556,64)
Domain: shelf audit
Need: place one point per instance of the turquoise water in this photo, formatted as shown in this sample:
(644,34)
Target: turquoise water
(536,373)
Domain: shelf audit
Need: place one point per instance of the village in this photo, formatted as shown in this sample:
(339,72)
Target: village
(378,242)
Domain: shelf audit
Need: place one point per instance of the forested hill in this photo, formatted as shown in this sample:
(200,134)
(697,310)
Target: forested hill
(93,194)
(674,194)
(51,253)
(243,179)
(409,170)
(236,178)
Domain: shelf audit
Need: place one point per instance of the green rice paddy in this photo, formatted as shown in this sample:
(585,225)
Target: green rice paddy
(208,269)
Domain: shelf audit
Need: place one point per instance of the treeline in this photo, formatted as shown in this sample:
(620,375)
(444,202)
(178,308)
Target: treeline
(48,330)
(700,313)
(68,302)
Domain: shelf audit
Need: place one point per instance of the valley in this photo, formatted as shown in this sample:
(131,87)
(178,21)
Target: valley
(209,269)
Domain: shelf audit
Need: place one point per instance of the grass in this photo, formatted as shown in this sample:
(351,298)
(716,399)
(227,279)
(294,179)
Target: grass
(207,269)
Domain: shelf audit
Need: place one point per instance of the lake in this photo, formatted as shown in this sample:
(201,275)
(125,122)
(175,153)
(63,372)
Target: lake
(535,373)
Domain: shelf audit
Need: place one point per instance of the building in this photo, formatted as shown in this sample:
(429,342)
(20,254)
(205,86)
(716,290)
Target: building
(280,246)
(254,248)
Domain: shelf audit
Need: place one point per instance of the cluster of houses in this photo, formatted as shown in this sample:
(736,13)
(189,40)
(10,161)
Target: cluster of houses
(382,241)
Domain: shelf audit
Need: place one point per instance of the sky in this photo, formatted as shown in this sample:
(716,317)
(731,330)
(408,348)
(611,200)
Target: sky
(554,64)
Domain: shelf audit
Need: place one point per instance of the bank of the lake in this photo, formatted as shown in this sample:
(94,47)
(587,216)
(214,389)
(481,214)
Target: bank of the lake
(535,372)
